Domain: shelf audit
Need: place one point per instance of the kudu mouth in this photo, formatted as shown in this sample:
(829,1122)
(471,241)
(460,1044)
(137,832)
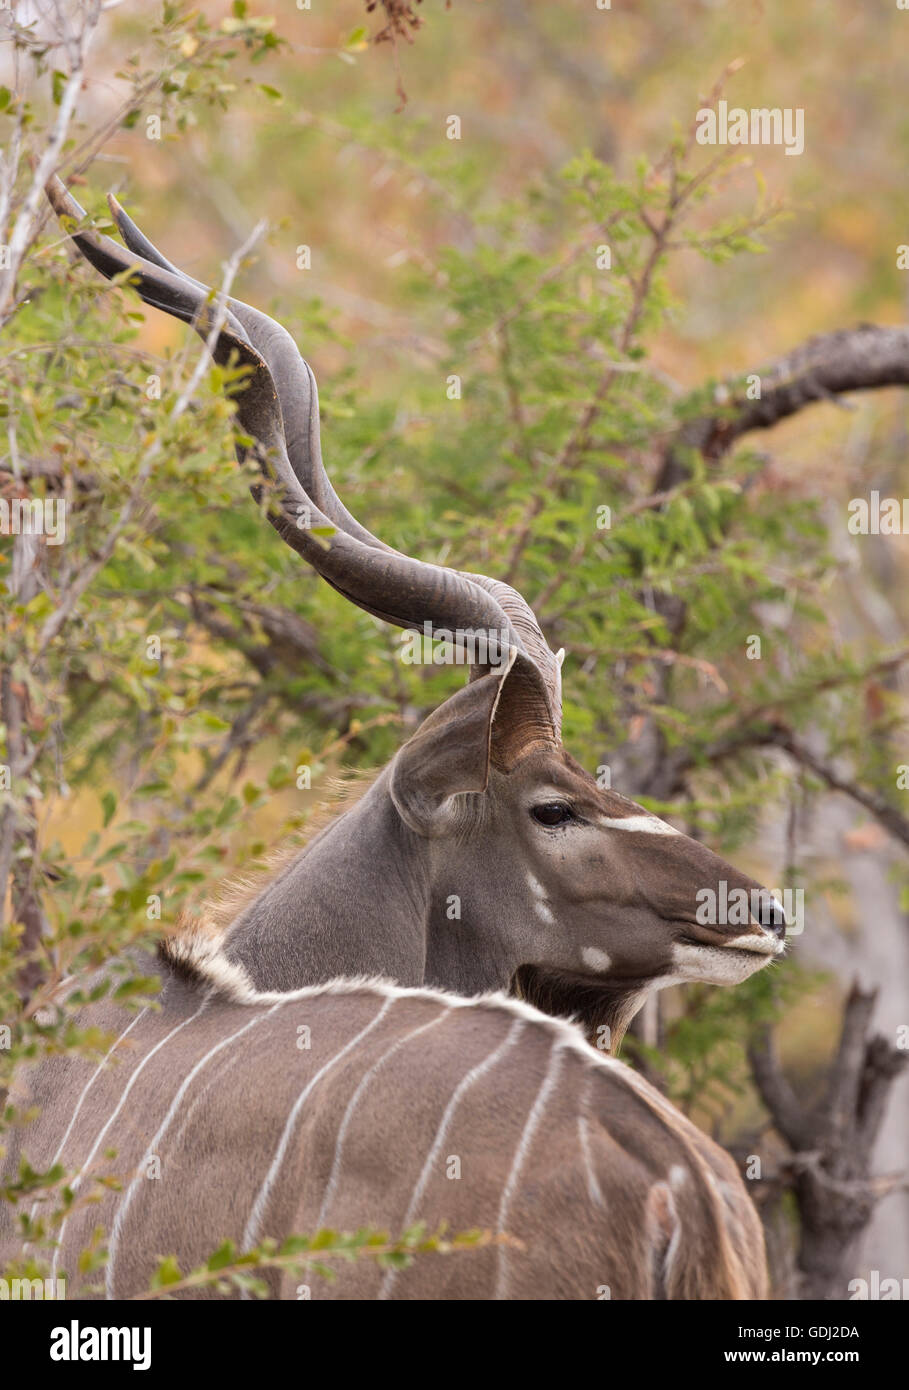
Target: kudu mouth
(604,1000)
(764,934)
(757,940)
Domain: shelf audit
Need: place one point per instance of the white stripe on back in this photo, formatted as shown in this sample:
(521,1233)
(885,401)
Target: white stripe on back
(354,1101)
(156,1139)
(460,1090)
(533,1120)
(85,1090)
(593,1186)
(126,1090)
(253,1225)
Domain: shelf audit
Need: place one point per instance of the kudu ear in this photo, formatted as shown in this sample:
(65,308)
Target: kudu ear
(495,719)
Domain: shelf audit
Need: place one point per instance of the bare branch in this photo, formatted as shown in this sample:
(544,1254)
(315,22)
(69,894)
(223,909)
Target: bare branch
(26,225)
(786,1110)
(823,369)
(888,816)
(833,1143)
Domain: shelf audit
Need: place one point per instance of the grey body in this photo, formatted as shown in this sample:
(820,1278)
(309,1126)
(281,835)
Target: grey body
(605,1185)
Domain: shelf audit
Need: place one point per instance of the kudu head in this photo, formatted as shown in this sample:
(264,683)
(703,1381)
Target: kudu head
(529,874)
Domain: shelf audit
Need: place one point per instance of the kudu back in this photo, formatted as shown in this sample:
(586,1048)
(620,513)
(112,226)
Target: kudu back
(403,1106)
(483,857)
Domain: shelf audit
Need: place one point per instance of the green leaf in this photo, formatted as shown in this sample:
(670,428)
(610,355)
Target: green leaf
(224,1255)
(168,1272)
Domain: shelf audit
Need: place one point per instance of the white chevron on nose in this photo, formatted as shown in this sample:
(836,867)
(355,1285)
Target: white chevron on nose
(644,825)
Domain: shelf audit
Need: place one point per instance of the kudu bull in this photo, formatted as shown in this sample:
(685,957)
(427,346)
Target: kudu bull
(571,896)
(574,894)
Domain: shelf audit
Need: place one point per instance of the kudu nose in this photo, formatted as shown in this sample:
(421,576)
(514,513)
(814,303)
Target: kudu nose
(771,916)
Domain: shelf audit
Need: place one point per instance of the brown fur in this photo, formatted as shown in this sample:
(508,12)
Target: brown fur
(644,1205)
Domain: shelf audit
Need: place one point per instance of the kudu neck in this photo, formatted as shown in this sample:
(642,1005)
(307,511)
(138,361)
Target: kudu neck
(354,902)
(362,899)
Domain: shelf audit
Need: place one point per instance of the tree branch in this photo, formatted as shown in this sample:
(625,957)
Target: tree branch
(823,369)
(833,1143)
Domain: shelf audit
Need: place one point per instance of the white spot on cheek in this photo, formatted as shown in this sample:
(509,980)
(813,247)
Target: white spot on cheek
(541,906)
(644,825)
(595,958)
(677,1176)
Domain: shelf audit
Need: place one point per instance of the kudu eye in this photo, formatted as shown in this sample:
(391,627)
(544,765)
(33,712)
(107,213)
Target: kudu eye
(552,813)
